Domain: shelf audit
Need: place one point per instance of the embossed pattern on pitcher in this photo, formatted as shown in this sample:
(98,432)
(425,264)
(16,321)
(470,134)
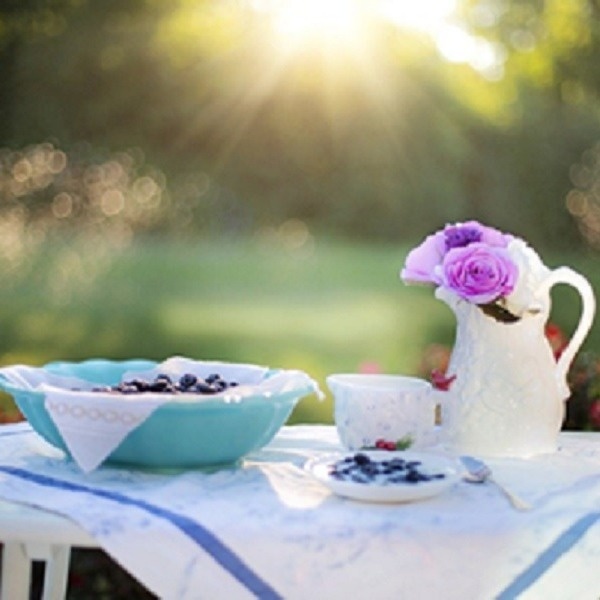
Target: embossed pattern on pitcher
(508,398)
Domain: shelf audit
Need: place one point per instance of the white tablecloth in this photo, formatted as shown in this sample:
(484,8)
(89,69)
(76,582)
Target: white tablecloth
(268,530)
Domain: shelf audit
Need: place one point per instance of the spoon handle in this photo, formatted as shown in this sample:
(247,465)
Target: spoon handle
(517,502)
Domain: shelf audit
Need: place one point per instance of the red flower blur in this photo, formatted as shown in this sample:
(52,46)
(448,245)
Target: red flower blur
(440,381)
(557,339)
(594,413)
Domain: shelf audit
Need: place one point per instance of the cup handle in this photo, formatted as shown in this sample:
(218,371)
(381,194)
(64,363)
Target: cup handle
(582,285)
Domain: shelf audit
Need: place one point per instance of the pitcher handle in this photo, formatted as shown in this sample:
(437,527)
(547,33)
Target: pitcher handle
(582,285)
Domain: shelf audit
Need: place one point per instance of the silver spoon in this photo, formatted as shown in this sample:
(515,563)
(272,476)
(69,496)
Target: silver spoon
(478,472)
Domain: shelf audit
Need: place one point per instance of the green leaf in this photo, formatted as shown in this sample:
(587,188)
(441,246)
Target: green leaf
(501,314)
(404,443)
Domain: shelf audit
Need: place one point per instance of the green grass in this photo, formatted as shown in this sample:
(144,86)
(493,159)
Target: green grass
(323,310)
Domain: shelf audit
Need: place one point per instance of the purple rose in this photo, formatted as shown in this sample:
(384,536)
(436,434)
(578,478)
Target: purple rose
(423,264)
(463,234)
(460,236)
(479,273)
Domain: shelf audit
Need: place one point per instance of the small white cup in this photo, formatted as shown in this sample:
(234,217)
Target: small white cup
(369,407)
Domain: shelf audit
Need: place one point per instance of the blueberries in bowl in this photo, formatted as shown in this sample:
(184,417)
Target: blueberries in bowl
(164,384)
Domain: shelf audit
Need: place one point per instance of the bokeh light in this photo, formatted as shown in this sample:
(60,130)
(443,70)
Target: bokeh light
(583,201)
(47,193)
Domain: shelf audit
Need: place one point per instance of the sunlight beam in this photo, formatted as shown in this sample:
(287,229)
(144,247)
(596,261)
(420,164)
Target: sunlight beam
(342,26)
(308,21)
(423,15)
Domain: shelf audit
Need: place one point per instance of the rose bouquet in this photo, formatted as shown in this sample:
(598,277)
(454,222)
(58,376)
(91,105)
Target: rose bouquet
(479,264)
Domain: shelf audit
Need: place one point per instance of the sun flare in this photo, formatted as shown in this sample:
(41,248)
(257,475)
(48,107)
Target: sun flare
(423,15)
(343,25)
(305,19)
(343,20)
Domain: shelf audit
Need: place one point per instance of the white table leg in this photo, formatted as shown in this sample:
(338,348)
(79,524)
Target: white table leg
(56,573)
(16,572)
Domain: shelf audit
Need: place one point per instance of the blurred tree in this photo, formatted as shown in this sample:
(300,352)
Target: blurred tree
(548,52)
(24,22)
(383,137)
(551,44)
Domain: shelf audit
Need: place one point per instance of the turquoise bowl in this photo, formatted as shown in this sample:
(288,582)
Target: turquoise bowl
(178,435)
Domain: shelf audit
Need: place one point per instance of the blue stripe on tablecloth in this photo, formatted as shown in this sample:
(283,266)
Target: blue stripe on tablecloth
(199,534)
(561,545)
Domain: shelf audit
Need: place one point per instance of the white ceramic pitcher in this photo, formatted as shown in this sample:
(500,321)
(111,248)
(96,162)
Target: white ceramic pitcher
(508,397)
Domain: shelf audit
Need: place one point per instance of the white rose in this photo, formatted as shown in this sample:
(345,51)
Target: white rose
(532,272)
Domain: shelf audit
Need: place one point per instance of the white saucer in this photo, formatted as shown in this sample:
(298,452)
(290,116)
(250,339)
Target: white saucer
(381,488)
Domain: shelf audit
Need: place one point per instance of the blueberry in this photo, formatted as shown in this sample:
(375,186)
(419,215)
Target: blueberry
(369,468)
(414,476)
(357,478)
(188,380)
(397,479)
(159,385)
(212,378)
(219,385)
(99,388)
(361,459)
(398,464)
(127,389)
(141,386)
(204,388)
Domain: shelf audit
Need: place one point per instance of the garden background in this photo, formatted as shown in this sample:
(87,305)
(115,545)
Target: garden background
(242,179)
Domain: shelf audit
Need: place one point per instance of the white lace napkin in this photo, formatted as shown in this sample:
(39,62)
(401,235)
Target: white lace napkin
(93,423)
